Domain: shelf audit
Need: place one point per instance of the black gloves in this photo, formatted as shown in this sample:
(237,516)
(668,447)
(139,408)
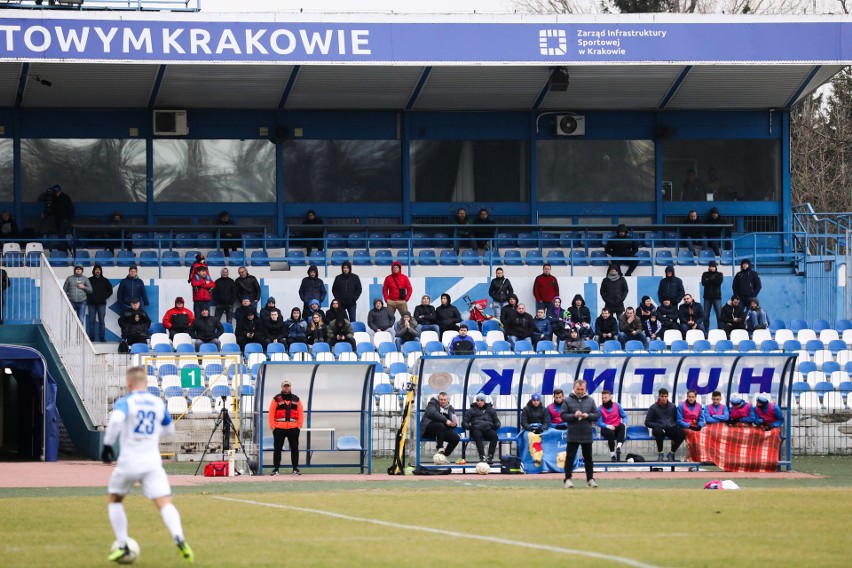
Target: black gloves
(696,428)
(106,454)
(537,430)
(732,421)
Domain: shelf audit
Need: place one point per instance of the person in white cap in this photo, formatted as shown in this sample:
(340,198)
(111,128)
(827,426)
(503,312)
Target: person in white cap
(766,415)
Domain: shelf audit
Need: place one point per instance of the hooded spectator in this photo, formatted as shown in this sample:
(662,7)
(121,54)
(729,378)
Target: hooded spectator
(379,318)
(266,311)
(581,317)
(332,311)
(274,330)
(406,329)
(206,329)
(314,308)
(712,280)
(295,328)
(347,289)
(312,287)
(244,309)
(228,237)
(448,315)
(396,289)
(714,234)
(128,317)
(340,330)
(96,304)
(622,248)
(646,308)
(224,296)
(312,231)
(746,283)
(614,291)
(670,287)
(507,313)
(202,290)
(424,315)
(667,314)
(247,330)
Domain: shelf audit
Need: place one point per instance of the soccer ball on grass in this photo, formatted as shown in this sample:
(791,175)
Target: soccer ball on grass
(133,546)
(482,468)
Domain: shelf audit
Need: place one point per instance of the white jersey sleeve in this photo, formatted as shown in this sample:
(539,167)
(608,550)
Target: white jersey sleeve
(138,421)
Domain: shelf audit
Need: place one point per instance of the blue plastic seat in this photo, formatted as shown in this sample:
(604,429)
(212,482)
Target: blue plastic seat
(663,258)
(777,324)
(505,240)
(184,240)
(298,347)
(236,258)
(829,367)
(644,257)
(701,345)
(490,325)
(685,258)
(104,258)
(611,346)
(769,345)
(403,257)
(128,258)
(138,348)
(556,258)
(534,258)
(523,345)
(361,258)
(798,325)
(806,367)
(58,258)
(357,240)
(156,327)
(219,391)
(317,257)
(747,345)
(297,257)
(185,348)
(336,240)
(230,348)
(386,347)
(792,345)
(842,325)
(836,346)
(358,326)
(379,240)
(823,387)
(170,258)
(342,347)
(656,346)
(579,258)
(215,258)
(399,240)
(256,347)
(208,348)
(634,346)
(705,256)
(727,258)
(173,392)
(162,348)
(189,257)
(637,432)
(593,345)
(426,257)
(679,346)
(447,257)
(814,345)
(411,347)
(364,347)
(470,258)
(338,257)
(501,346)
(384,257)
(320,347)
(844,388)
(599,258)
(545,345)
(724,345)
(512,257)
(433,347)
(270,349)
(799,387)
(147,258)
(820,325)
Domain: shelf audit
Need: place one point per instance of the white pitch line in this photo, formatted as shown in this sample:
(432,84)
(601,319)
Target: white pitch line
(518,543)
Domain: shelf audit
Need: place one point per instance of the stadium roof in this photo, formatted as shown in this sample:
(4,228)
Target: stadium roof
(397,62)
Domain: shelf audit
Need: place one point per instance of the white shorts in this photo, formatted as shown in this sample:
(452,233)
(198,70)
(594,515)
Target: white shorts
(155,483)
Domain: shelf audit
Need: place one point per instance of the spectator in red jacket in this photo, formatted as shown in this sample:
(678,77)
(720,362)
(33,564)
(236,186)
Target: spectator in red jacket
(545,288)
(396,290)
(202,286)
(178,319)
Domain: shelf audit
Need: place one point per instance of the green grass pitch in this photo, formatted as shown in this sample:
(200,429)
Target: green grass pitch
(489,522)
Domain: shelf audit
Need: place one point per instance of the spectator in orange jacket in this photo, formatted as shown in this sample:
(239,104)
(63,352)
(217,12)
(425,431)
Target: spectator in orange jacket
(286,417)
(545,288)
(396,290)
(178,319)
(202,288)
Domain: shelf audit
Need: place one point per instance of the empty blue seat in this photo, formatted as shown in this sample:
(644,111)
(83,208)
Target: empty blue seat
(814,345)
(170,258)
(679,346)
(184,240)
(823,387)
(777,324)
(364,347)
(701,346)
(173,391)
(379,240)
(127,258)
(566,239)
(470,258)
(259,258)
(58,258)
(727,258)
(799,387)
(644,257)
(599,258)
(663,258)
(320,347)
(798,325)
(806,367)
(156,327)
(505,240)
(297,257)
(338,257)
(705,256)
(747,345)
(557,258)
(634,346)
(842,325)
(685,258)
(545,345)
(523,345)
(611,346)
(448,257)
(205,240)
(357,240)
(579,258)
(361,258)
(593,345)
(829,367)
(820,325)
(317,257)
(138,348)
(236,258)
(433,347)
(403,257)
(512,258)
(399,240)
(426,257)
(208,348)
(82,258)
(656,346)
(534,258)
(215,258)
(298,347)
(230,348)
(147,258)
(724,345)
(836,345)
(769,345)
(342,347)
(185,348)
(490,325)
(653,239)
(336,240)
(383,257)
(358,326)
(527,240)
(104,258)
(792,345)
(501,346)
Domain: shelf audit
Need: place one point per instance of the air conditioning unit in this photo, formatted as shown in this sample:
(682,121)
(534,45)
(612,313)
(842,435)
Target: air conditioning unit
(570,125)
(170,123)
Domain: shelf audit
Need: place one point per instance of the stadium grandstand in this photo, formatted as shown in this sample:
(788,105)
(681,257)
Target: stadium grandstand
(560,130)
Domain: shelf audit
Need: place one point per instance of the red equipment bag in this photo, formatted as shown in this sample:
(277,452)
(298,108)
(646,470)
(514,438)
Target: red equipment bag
(216,469)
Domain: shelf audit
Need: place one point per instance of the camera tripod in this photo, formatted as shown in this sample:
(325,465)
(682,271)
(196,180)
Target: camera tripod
(224,420)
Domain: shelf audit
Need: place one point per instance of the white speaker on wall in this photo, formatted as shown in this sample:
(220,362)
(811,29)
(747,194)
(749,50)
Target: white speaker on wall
(570,125)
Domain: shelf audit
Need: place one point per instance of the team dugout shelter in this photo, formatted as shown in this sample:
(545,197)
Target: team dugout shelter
(173,117)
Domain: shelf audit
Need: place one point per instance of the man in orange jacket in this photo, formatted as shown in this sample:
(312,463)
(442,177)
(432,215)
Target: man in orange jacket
(285,419)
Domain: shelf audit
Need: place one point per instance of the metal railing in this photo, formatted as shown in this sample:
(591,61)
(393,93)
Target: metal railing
(97,377)
(131,5)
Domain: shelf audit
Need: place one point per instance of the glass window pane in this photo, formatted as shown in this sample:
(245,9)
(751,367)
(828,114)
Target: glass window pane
(89,170)
(595,170)
(6,175)
(342,171)
(729,170)
(469,170)
(229,171)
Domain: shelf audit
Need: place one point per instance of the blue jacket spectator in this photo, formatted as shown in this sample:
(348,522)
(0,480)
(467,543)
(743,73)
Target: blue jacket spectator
(691,315)
(690,415)
(542,327)
(462,344)
(131,286)
(716,412)
(756,317)
(312,287)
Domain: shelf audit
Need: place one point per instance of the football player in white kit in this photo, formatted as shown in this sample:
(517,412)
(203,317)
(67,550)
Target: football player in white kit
(137,422)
